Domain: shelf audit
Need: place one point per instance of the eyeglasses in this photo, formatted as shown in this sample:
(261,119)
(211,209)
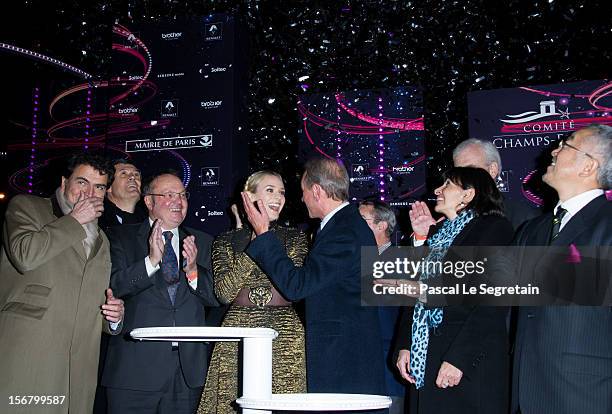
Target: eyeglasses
(171,196)
(563,143)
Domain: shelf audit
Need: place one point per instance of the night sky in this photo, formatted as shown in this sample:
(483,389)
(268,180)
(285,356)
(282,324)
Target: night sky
(447,48)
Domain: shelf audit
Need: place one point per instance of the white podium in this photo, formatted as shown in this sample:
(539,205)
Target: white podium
(257,397)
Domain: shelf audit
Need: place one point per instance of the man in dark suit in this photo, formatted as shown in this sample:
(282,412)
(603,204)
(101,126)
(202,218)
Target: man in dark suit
(563,355)
(121,206)
(343,340)
(381,220)
(162,271)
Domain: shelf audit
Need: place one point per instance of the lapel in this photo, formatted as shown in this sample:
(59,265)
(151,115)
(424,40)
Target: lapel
(142,244)
(540,266)
(183,285)
(77,247)
(320,233)
(538,232)
(142,250)
(541,235)
(580,223)
(331,223)
(97,245)
(57,211)
(80,250)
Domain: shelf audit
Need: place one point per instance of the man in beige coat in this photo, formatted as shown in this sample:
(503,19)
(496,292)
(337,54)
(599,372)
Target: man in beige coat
(54,296)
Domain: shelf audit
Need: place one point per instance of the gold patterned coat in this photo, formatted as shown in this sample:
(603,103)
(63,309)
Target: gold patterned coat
(233,270)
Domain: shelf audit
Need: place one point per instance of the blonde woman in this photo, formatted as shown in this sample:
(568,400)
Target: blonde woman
(255,303)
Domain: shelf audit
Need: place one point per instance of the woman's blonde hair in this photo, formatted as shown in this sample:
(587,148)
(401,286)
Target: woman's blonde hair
(254,179)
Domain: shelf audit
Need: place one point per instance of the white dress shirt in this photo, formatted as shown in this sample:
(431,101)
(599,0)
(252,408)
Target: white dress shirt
(575,204)
(175,246)
(331,214)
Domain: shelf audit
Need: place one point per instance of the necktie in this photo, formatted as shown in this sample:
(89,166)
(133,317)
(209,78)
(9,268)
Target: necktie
(556,227)
(169,266)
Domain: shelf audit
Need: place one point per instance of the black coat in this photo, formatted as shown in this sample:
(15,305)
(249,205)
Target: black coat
(146,365)
(114,216)
(474,339)
(563,354)
(343,339)
(519,211)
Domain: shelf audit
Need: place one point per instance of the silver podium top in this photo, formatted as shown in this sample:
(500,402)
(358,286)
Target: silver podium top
(200,333)
(316,402)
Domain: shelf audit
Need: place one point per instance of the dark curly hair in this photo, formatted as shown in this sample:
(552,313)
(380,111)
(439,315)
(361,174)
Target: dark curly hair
(487,198)
(97,161)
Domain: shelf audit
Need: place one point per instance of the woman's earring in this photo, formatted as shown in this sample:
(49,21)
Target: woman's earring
(462,204)
(499,183)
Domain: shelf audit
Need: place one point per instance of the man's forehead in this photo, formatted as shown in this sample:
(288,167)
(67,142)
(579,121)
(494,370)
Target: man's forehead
(86,169)
(580,139)
(472,151)
(579,135)
(90,173)
(122,166)
(168,181)
(470,156)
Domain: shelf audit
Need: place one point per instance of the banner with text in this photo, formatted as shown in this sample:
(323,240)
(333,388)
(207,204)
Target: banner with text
(526,123)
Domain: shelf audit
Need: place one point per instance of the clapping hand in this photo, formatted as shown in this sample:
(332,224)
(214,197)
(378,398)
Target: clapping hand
(421,218)
(156,244)
(190,253)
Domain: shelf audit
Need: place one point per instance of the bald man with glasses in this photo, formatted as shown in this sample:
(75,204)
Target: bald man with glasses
(162,270)
(563,354)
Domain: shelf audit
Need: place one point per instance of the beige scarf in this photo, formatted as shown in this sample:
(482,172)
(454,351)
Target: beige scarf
(91,228)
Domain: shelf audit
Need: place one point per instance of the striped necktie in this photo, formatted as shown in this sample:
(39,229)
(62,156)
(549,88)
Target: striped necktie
(556,227)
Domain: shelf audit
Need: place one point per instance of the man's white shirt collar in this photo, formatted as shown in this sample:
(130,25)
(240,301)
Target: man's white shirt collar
(331,214)
(175,232)
(175,239)
(575,204)
(384,247)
